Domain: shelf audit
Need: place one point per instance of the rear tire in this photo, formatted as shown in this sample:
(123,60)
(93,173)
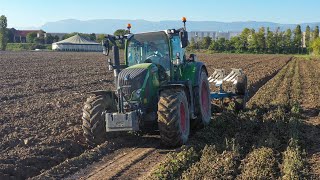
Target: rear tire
(203,101)
(173,118)
(93,119)
(241,91)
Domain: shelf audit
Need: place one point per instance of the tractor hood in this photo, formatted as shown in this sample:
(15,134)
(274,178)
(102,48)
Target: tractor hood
(133,81)
(140,66)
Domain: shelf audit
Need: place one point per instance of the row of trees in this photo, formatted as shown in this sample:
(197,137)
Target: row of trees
(48,39)
(262,41)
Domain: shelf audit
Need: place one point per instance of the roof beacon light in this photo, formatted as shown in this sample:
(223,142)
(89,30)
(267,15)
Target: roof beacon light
(184,20)
(129,27)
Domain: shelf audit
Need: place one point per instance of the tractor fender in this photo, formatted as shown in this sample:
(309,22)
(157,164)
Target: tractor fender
(199,67)
(112,100)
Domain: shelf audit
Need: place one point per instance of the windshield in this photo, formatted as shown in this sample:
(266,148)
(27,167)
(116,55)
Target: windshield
(149,48)
(176,47)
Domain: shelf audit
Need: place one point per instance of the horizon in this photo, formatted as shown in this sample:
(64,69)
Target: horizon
(35,13)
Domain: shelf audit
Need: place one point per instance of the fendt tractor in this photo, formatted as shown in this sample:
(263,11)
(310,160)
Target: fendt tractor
(157,88)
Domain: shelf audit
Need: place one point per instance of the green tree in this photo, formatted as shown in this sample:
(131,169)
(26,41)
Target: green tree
(218,45)
(205,42)
(3,33)
(66,36)
(192,44)
(253,42)
(270,41)
(100,38)
(307,38)
(39,40)
(56,38)
(297,39)
(236,44)
(316,32)
(228,46)
(287,42)
(244,40)
(31,37)
(10,36)
(278,40)
(93,37)
(49,39)
(121,32)
(261,40)
(315,46)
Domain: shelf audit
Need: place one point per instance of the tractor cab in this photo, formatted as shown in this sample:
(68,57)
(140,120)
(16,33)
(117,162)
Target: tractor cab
(161,48)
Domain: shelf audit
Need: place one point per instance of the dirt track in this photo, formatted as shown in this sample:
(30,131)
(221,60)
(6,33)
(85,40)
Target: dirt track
(133,163)
(41,96)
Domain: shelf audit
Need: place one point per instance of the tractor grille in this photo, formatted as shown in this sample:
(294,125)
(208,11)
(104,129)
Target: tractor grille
(131,80)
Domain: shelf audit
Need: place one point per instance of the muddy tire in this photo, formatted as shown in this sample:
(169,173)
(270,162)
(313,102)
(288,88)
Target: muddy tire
(241,86)
(241,90)
(173,118)
(93,120)
(202,101)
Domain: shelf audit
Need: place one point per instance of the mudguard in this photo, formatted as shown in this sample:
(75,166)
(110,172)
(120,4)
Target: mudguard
(199,67)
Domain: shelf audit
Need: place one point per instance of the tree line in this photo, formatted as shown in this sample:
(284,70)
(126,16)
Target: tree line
(249,41)
(263,41)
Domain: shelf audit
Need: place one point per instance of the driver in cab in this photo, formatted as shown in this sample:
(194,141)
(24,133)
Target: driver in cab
(153,55)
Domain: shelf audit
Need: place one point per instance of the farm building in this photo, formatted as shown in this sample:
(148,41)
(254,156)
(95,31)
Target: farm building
(20,36)
(76,43)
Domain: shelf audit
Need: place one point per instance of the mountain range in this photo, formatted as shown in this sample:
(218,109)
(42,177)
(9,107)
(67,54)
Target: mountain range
(111,25)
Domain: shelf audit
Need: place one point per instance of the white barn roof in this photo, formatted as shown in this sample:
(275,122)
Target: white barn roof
(77,43)
(77,39)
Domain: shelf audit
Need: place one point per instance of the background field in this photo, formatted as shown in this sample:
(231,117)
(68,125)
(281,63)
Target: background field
(42,94)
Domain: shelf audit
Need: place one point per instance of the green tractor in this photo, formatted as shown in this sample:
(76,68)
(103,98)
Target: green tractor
(157,88)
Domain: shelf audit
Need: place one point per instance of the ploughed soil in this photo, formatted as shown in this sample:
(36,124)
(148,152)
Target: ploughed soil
(41,97)
(298,82)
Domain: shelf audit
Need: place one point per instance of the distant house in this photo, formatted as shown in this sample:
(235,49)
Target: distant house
(20,36)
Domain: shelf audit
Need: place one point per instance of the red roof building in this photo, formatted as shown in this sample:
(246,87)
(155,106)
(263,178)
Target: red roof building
(20,36)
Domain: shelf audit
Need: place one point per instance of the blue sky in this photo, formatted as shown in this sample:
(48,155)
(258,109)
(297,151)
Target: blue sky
(33,13)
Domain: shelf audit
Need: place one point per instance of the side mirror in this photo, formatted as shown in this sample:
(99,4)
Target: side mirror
(105,47)
(184,38)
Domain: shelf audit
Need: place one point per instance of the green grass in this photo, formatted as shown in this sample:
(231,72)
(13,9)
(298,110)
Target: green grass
(27,46)
(308,56)
(175,164)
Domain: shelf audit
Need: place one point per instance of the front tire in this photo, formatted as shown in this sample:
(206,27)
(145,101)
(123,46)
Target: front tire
(93,120)
(173,118)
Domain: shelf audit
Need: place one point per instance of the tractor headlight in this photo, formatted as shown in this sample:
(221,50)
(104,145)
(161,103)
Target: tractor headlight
(136,94)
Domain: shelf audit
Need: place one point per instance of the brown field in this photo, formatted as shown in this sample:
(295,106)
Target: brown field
(41,96)
(277,137)
(298,83)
